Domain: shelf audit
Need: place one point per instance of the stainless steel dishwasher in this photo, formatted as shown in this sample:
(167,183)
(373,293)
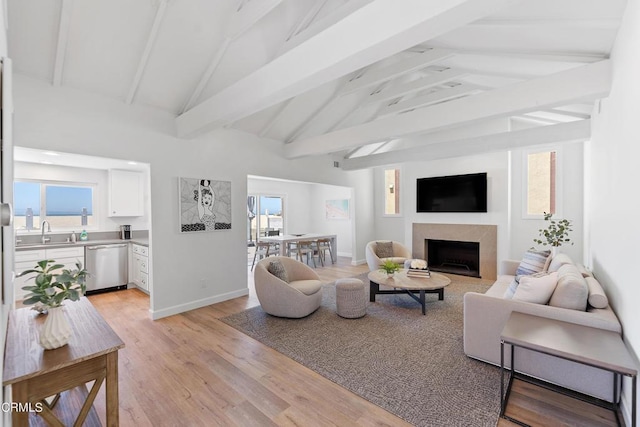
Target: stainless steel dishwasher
(107,267)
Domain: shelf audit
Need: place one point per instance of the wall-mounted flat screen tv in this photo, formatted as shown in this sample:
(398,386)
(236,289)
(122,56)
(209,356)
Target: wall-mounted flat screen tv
(456,193)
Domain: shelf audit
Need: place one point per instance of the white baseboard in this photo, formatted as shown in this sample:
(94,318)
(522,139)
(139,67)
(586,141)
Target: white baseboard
(359,262)
(181,308)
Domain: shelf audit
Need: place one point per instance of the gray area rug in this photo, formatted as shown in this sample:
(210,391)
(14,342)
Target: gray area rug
(409,364)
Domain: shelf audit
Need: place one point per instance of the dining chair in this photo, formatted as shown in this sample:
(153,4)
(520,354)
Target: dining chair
(307,248)
(263,250)
(275,246)
(323,246)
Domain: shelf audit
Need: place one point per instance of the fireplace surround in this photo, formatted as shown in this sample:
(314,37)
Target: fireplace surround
(485,235)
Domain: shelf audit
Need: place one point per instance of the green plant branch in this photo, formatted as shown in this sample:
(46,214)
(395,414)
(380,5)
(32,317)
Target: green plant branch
(556,234)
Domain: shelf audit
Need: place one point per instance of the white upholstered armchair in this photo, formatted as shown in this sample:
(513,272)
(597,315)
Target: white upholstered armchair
(298,297)
(399,254)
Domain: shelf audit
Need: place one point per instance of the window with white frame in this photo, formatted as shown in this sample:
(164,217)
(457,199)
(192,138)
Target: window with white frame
(392,192)
(541,183)
(65,206)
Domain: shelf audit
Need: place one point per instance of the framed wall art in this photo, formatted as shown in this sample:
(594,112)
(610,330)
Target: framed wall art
(337,209)
(205,205)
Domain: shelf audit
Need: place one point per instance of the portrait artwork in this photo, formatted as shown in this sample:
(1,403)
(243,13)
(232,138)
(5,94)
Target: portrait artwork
(205,205)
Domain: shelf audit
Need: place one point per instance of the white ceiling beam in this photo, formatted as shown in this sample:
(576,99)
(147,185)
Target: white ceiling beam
(374,32)
(582,58)
(306,20)
(206,76)
(601,24)
(144,59)
(498,73)
(539,120)
(589,82)
(574,114)
(247,16)
(354,109)
(560,133)
(320,25)
(436,78)
(299,130)
(378,76)
(416,62)
(63,37)
(267,127)
(430,99)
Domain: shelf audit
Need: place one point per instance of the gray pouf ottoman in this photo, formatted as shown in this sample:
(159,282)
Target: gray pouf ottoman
(351,298)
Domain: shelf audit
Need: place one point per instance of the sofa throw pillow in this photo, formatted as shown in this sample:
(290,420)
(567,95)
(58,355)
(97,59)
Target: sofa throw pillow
(558,261)
(513,286)
(384,249)
(536,290)
(533,261)
(597,297)
(511,290)
(571,291)
(277,269)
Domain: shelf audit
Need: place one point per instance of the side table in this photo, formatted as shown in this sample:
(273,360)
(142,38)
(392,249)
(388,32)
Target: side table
(581,344)
(35,374)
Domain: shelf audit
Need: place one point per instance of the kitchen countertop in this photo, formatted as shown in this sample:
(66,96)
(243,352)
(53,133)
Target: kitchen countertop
(144,241)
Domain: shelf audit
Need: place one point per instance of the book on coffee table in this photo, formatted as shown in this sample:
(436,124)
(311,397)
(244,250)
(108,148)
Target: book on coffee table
(413,272)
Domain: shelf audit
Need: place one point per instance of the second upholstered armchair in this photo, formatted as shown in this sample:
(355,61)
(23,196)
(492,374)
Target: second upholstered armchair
(379,251)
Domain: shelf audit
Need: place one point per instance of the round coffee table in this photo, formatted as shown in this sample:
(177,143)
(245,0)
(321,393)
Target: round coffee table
(410,285)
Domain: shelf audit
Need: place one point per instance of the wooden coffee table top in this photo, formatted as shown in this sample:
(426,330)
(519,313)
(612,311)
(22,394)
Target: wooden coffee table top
(401,280)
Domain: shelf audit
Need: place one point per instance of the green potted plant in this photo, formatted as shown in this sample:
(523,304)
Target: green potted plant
(52,286)
(556,234)
(389,267)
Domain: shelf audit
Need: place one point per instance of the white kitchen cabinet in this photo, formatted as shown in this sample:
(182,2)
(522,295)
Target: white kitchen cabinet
(126,193)
(140,269)
(26,260)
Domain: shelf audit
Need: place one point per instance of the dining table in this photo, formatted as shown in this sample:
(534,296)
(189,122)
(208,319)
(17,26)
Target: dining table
(285,239)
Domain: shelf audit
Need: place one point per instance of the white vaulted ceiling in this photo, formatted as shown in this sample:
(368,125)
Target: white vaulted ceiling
(368,81)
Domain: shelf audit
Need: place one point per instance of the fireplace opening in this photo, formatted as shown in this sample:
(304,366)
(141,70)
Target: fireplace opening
(453,257)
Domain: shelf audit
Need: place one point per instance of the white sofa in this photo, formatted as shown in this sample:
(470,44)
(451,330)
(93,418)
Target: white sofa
(486,314)
(400,254)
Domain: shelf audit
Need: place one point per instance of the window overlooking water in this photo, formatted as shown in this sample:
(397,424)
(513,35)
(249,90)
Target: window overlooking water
(64,206)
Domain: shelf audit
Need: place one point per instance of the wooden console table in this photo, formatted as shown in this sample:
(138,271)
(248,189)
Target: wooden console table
(35,374)
(581,344)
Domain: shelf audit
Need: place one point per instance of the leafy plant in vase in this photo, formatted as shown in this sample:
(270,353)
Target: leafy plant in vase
(50,290)
(389,267)
(556,234)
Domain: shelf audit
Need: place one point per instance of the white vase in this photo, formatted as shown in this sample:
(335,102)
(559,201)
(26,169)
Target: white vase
(56,330)
(555,250)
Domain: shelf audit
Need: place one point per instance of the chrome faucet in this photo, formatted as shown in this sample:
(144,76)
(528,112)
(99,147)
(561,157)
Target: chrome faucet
(45,239)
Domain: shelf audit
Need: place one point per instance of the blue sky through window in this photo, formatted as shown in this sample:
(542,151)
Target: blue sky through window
(61,200)
(273,204)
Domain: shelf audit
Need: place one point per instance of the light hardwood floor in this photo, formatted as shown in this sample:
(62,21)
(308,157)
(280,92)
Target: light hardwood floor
(192,369)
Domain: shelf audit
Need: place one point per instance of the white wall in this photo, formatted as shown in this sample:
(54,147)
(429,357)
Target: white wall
(613,205)
(496,166)
(72,121)
(304,208)
(504,192)
(97,177)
